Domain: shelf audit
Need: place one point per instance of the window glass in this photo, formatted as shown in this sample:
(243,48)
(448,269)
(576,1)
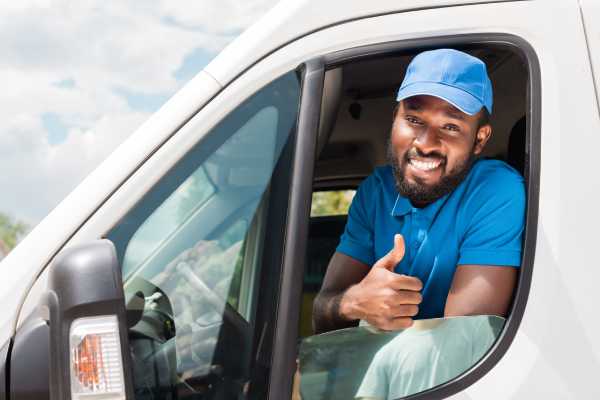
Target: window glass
(193,248)
(176,209)
(332,202)
(236,231)
(366,363)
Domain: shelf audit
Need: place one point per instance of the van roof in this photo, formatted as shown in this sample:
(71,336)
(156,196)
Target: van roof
(290,20)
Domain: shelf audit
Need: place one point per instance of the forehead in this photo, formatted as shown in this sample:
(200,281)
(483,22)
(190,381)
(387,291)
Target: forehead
(434,104)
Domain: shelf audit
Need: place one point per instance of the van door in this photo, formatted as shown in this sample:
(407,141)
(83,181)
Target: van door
(201,253)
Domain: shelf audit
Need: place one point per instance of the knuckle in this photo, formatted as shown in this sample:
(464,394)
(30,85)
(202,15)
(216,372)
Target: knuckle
(418,297)
(418,284)
(409,310)
(389,313)
(411,281)
(384,308)
(414,310)
(380,273)
(408,297)
(406,322)
(381,323)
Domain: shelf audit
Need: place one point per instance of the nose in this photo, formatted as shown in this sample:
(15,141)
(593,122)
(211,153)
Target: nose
(427,141)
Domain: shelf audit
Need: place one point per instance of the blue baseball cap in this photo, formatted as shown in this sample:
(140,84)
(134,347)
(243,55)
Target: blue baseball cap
(450,75)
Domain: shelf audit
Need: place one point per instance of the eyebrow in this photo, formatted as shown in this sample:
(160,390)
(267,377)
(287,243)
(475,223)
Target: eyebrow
(412,104)
(453,113)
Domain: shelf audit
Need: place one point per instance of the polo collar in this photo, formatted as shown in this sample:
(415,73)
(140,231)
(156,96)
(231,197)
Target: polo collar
(403,206)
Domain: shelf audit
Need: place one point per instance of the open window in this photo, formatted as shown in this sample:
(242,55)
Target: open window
(356,115)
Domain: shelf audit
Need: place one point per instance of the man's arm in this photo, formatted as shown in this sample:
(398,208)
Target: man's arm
(490,251)
(481,290)
(342,272)
(352,291)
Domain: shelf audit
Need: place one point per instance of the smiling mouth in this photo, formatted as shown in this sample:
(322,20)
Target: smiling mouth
(424,165)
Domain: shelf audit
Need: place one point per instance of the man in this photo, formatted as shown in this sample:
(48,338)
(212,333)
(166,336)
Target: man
(453,223)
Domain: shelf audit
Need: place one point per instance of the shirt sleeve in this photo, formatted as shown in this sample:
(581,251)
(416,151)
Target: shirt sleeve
(496,218)
(357,239)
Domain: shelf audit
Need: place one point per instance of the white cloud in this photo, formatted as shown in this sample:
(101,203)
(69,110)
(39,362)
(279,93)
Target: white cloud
(99,47)
(222,16)
(36,176)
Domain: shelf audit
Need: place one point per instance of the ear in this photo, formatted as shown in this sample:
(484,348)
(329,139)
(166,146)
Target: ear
(481,138)
(396,109)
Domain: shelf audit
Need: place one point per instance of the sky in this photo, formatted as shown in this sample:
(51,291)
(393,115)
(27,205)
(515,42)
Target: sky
(78,77)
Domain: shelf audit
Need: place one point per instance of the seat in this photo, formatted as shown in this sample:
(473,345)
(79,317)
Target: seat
(516,146)
(323,237)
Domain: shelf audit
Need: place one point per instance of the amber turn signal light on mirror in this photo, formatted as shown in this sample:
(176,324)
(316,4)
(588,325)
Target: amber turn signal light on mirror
(96,360)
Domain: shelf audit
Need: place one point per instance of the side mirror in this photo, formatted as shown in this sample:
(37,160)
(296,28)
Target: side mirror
(75,345)
(89,350)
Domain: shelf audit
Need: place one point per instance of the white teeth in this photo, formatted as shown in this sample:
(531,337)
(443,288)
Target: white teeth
(425,165)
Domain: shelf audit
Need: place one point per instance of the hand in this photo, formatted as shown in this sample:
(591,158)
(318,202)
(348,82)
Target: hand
(383,298)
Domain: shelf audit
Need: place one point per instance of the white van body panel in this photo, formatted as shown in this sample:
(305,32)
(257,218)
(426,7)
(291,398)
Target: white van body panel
(554,354)
(590,12)
(290,20)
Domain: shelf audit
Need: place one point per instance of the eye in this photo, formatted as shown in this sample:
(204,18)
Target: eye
(413,120)
(451,128)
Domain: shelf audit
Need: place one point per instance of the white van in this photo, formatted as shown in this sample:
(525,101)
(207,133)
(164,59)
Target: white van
(185,265)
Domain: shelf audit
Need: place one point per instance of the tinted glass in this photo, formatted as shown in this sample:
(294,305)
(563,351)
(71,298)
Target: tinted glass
(170,215)
(366,363)
(193,251)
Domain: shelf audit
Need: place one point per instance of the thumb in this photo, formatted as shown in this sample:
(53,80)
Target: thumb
(395,255)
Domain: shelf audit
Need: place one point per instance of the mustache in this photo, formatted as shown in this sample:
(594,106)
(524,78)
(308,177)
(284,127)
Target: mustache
(414,153)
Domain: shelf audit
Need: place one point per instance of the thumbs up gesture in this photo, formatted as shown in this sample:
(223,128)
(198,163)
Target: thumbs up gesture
(383,298)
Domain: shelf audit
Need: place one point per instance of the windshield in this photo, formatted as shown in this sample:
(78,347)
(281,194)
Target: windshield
(79,77)
(366,363)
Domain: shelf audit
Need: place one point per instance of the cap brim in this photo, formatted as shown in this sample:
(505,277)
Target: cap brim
(460,99)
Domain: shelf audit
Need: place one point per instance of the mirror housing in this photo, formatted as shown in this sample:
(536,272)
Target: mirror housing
(84,281)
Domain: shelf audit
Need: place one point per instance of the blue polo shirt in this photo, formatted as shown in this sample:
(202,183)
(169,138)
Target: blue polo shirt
(479,222)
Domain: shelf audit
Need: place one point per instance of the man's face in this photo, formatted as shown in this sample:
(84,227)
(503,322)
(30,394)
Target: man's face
(432,147)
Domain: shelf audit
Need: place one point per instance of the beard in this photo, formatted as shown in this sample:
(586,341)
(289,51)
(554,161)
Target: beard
(418,192)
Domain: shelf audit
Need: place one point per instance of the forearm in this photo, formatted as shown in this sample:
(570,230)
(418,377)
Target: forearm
(326,313)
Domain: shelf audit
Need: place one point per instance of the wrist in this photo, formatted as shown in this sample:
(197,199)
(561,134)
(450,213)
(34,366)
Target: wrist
(347,304)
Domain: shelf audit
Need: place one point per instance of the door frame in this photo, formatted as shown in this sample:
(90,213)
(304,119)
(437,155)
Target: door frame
(296,233)
(289,302)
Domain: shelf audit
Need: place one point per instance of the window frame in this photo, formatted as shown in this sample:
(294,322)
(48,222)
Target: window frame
(287,319)
(289,303)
